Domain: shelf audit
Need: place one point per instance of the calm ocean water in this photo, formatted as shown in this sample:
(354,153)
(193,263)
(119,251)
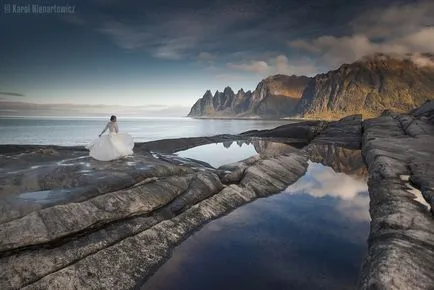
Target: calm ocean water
(80,131)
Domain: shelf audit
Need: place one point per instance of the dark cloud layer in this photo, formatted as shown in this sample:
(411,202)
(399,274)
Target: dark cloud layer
(266,37)
(172,30)
(177,30)
(225,40)
(11,94)
(398,29)
(8,108)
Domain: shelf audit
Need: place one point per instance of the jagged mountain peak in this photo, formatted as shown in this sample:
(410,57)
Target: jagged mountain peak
(369,85)
(270,98)
(207,94)
(228,90)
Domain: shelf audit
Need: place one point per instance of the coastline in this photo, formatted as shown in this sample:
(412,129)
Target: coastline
(133,215)
(295,119)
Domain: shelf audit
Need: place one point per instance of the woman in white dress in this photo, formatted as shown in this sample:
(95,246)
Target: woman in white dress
(113,146)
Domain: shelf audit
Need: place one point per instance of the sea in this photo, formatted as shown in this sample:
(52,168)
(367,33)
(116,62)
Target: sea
(77,131)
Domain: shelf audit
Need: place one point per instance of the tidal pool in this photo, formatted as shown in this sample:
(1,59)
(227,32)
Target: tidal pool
(218,154)
(310,236)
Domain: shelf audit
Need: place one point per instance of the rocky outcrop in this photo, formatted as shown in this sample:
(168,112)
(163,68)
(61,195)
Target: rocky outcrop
(130,213)
(398,149)
(367,86)
(302,131)
(275,96)
(346,132)
(83,241)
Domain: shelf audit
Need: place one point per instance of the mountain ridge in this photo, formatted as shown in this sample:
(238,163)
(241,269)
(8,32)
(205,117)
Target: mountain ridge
(367,86)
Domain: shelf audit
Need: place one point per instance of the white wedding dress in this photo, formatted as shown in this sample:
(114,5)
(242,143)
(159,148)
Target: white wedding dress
(113,146)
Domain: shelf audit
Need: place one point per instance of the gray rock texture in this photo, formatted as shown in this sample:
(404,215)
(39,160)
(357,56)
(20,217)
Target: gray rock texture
(401,241)
(114,235)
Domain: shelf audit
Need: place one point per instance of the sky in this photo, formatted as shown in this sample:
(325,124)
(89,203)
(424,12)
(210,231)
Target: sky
(158,57)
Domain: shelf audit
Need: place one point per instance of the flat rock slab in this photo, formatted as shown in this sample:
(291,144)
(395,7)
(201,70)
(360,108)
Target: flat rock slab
(40,178)
(401,242)
(127,227)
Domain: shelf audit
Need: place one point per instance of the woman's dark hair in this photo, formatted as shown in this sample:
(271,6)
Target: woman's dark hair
(112,118)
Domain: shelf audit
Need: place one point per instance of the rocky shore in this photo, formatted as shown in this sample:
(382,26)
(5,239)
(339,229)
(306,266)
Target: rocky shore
(67,221)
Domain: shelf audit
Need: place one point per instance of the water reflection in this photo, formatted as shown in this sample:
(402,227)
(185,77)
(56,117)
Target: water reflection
(341,159)
(350,191)
(219,154)
(50,196)
(311,236)
(416,192)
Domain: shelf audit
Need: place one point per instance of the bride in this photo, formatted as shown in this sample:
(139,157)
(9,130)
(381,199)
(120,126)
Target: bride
(112,146)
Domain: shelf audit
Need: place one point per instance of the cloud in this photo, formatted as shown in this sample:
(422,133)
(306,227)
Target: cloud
(337,50)
(396,29)
(253,66)
(303,45)
(176,33)
(279,64)
(206,56)
(146,37)
(229,77)
(321,181)
(299,66)
(11,94)
(174,48)
(30,109)
(422,60)
(356,208)
(195,29)
(125,36)
(395,20)
(158,40)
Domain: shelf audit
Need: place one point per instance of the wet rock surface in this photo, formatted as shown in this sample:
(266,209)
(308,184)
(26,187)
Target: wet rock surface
(67,221)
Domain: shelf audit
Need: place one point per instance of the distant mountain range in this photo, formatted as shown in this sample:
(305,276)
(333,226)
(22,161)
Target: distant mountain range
(367,86)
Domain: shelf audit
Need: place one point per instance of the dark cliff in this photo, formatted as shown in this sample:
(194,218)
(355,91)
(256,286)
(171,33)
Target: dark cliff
(367,87)
(274,96)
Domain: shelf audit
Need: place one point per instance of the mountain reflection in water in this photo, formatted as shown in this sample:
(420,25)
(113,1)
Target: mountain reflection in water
(310,236)
(218,154)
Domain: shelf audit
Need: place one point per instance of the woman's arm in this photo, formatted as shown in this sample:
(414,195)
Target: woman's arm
(105,129)
(116,128)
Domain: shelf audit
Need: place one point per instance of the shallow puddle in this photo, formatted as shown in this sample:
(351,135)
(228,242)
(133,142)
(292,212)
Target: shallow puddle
(416,192)
(311,236)
(219,154)
(50,196)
